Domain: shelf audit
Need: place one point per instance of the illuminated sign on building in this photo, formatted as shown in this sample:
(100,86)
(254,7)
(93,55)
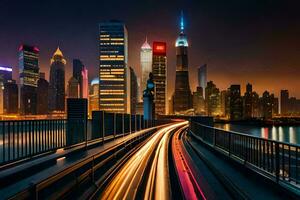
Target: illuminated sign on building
(159,48)
(8,69)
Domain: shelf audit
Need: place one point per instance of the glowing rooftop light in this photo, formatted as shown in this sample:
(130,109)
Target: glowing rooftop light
(95,81)
(9,69)
(181,22)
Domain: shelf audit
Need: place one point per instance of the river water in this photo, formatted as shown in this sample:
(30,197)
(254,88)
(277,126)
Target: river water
(289,134)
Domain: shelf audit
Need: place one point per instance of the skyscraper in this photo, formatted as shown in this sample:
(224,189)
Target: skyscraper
(42,95)
(78,69)
(284,102)
(57,82)
(182,95)
(213,101)
(198,102)
(29,76)
(236,105)
(113,80)
(159,71)
(202,77)
(146,64)
(248,103)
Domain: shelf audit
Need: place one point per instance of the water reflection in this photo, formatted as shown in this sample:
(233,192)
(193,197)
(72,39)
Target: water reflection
(280,133)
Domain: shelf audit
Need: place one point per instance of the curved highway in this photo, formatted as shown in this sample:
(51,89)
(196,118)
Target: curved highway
(145,174)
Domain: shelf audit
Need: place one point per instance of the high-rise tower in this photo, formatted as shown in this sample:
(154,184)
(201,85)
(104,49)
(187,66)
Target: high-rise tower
(159,71)
(57,82)
(182,96)
(113,71)
(29,76)
(146,64)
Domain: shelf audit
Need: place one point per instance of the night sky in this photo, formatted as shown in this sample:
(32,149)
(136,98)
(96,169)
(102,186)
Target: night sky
(256,41)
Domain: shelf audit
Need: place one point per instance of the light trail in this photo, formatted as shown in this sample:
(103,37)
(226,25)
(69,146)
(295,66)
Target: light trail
(190,188)
(127,180)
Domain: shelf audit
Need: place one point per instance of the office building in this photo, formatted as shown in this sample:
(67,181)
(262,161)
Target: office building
(57,82)
(42,95)
(182,95)
(267,105)
(212,98)
(113,56)
(159,71)
(198,102)
(248,103)
(225,103)
(202,77)
(10,97)
(73,88)
(133,91)
(29,76)
(146,64)
(236,104)
(284,102)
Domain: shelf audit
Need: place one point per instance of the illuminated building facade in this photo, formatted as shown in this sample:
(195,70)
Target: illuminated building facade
(113,80)
(78,71)
(146,64)
(29,76)
(159,71)
(284,102)
(85,83)
(57,82)
(248,103)
(182,96)
(94,96)
(5,74)
(236,104)
(213,100)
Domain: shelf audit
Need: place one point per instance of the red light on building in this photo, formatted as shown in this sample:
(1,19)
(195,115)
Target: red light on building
(159,48)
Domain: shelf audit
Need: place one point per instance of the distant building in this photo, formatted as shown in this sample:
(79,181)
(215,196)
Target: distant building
(159,71)
(236,104)
(84,83)
(267,105)
(29,76)
(42,96)
(148,99)
(11,99)
(1,97)
(225,103)
(212,98)
(94,96)
(146,64)
(57,82)
(77,73)
(73,88)
(133,91)
(5,74)
(198,102)
(202,77)
(256,111)
(248,103)
(182,95)
(113,70)
(284,102)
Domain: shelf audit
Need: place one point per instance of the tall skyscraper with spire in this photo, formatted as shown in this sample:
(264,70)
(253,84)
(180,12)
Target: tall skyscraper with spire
(146,64)
(182,97)
(57,82)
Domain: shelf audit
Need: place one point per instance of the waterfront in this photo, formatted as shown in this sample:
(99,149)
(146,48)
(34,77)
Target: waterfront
(289,134)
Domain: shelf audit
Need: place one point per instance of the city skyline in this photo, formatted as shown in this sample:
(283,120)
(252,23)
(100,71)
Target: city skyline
(247,57)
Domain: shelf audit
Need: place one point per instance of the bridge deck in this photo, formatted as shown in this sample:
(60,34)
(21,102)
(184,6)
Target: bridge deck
(63,159)
(245,183)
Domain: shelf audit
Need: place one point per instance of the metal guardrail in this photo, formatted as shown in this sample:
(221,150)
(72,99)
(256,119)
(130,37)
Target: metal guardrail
(24,139)
(277,159)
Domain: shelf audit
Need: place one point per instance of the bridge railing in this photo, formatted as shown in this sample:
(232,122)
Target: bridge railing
(277,159)
(24,139)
